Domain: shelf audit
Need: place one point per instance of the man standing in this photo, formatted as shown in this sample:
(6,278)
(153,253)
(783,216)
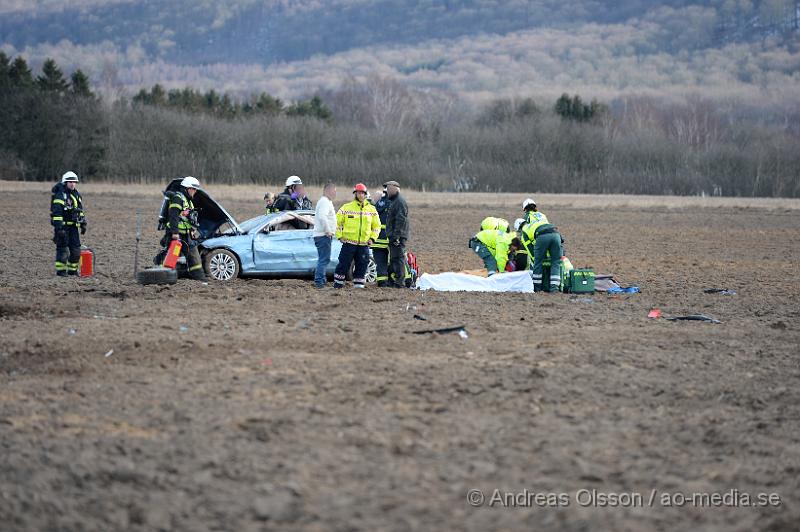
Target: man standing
(67,217)
(324,229)
(380,248)
(180,225)
(397,228)
(357,227)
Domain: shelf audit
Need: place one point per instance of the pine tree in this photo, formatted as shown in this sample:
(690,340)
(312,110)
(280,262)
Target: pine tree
(20,74)
(5,66)
(79,84)
(52,79)
(563,106)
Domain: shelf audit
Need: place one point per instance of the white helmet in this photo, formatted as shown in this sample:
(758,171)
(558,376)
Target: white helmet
(518,223)
(69,177)
(190,182)
(293,180)
(528,201)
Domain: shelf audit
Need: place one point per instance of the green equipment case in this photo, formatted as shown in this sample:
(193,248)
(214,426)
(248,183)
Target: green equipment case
(580,281)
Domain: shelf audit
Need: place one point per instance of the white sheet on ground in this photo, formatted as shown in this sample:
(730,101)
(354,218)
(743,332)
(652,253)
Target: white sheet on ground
(456,282)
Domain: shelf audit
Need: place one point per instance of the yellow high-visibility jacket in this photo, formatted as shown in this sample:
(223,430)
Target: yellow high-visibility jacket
(490,222)
(498,243)
(357,223)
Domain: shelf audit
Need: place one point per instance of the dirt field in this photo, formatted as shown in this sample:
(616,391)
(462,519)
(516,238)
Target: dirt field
(270,405)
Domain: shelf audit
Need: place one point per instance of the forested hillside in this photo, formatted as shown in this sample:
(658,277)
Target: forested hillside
(291,48)
(199,32)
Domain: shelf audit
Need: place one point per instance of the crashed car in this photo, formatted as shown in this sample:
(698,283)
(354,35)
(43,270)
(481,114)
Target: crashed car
(273,245)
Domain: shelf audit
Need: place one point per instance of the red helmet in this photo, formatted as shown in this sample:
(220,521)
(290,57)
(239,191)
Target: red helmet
(360,187)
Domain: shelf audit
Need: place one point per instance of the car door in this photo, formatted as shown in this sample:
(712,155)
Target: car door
(284,251)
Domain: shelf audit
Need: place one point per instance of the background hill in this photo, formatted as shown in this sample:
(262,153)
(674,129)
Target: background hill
(474,48)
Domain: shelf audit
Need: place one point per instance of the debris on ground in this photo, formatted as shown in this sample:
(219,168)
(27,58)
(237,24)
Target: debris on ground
(459,329)
(624,290)
(694,317)
(654,314)
(109,353)
(420,317)
(720,291)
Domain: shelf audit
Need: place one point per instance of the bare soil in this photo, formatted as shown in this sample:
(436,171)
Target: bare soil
(266,404)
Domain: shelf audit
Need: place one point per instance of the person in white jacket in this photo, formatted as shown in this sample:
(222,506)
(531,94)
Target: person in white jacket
(324,230)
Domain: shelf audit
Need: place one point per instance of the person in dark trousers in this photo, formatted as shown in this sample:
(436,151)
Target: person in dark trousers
(324,231)
(397,228)
(380,248)
(357,227)
(182,217)
(67,217)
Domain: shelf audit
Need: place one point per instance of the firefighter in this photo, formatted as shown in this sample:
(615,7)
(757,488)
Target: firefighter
(397,229)
(357,227)
(181,224)
(543,242)
(490,222)
(380,248)
(293,197)
(494,247)
(67,217)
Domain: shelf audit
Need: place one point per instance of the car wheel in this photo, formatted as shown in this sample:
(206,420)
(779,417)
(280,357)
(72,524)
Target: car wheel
(221,265)
(372,271)
(157,275)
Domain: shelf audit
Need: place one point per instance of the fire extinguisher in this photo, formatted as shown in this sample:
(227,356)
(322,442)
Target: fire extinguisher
(173,253)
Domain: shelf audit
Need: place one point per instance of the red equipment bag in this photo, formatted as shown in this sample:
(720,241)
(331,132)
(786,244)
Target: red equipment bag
(173,253)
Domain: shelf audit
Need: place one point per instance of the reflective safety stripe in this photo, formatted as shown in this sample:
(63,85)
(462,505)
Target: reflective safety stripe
(60,266)
(195,267)
(382,278)
(61,201)
(58,218)
(72,266)
(171,205)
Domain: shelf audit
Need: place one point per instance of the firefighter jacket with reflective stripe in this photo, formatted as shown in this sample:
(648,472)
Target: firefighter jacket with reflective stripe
(180,212)
(498,243)
(357,223)
(532,217)
(66,207)
(492,223)
(382,206)
(527,232)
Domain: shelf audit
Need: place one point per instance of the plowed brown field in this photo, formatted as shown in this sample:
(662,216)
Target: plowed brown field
(266,404)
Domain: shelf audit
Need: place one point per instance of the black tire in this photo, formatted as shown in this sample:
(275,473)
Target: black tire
(221,265)
(157,275)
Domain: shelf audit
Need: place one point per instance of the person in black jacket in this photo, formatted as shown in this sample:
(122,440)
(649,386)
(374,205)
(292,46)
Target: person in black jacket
(67,217)
(397,227)
(293,198)
(380,248)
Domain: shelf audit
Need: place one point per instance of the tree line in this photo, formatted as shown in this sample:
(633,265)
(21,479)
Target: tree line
(50,122)
(379,129)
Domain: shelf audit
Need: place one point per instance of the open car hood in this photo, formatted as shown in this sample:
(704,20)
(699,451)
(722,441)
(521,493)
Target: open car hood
(210,214)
